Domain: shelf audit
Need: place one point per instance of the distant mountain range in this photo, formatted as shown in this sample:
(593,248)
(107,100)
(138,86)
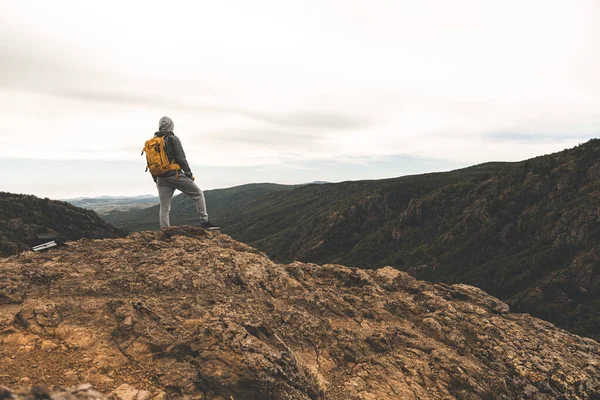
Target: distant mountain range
(101,198)
(110,204)
(526,232)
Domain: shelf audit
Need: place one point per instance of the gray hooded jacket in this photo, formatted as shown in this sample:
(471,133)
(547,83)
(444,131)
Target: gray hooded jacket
(173,146)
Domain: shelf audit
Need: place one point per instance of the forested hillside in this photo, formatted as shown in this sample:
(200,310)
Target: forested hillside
(22,217)
(222,204)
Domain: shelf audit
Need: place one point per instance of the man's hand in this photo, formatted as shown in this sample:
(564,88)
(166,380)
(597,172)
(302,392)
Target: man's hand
(190,175)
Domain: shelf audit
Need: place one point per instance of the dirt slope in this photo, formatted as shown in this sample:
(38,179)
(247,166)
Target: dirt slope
(188,312)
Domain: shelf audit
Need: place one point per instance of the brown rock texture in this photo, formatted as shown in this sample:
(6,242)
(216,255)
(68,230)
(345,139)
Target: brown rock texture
(186,312)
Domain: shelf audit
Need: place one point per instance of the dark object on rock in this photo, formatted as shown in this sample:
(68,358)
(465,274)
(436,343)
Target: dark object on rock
(44,246)
(41,238)
(45,241)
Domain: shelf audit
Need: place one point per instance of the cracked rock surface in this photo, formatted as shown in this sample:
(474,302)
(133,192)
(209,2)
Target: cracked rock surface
(187,312)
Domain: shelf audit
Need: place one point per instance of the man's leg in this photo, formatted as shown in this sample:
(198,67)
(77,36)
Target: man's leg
(165,194)
(187,186)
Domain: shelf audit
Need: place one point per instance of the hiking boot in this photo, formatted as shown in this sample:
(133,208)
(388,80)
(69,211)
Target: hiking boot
(209,226)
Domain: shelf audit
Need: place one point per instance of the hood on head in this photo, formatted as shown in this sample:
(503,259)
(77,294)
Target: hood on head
(166,125)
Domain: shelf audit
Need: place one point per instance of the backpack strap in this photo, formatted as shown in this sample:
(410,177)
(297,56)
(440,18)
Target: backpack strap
(165,140)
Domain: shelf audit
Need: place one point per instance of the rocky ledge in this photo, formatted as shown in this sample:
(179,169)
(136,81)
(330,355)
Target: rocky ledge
(187,312)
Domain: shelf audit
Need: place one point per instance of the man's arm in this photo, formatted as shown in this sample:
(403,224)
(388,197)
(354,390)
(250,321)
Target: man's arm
(180,155)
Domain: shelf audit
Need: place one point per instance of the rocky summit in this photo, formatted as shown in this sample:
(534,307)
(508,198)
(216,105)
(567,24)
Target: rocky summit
(191,313)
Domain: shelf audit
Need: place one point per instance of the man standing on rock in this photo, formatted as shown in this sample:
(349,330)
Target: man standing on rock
(171,180)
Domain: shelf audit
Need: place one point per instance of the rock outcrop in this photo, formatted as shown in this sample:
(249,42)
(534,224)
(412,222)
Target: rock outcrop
(187,312)
(22,217)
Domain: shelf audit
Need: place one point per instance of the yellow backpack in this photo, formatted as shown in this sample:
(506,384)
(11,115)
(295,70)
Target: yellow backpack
(157,161)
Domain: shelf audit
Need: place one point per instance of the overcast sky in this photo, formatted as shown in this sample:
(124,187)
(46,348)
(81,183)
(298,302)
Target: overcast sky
(289,91)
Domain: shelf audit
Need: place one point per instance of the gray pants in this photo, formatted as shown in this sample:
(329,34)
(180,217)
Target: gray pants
(166,187)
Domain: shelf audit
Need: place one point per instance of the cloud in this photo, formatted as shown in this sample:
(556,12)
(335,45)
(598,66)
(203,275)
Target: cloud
(301,119)
(28,66)
(281,82)
(535,138)
(22,69)
(282,140)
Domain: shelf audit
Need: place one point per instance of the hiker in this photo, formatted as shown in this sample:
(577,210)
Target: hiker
(172,179)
